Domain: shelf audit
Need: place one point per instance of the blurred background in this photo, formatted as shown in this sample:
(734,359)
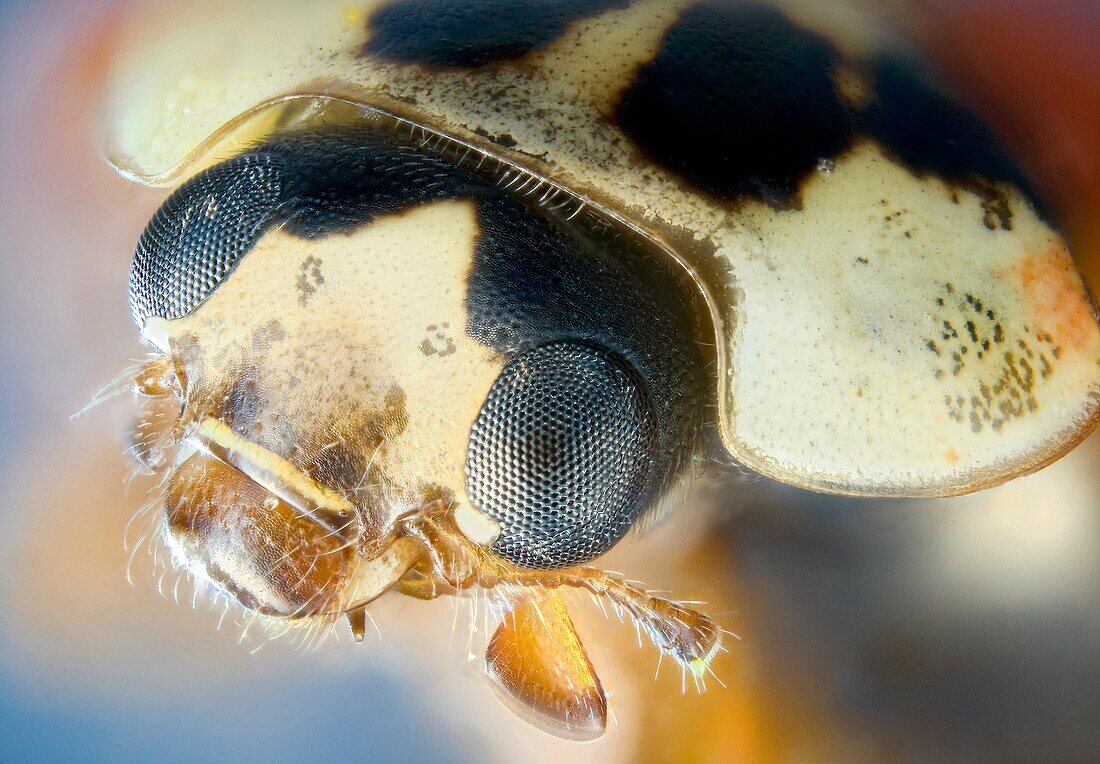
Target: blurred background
(916,631)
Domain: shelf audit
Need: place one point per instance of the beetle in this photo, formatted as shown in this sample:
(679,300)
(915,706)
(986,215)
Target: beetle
(449,297)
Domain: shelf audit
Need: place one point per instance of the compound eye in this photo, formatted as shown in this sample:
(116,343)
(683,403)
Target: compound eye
(561,455)
(199,235)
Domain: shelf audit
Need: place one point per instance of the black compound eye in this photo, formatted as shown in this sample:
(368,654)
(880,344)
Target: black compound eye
(561,455)
(199,235)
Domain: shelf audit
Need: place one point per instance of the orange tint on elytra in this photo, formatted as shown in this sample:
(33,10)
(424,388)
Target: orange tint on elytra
(1052,286)
(1032,76)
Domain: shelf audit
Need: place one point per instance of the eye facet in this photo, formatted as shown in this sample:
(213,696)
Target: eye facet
(200,233)
(561,454)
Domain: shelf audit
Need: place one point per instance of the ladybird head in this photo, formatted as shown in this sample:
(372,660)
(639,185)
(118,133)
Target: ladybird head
(458,311)
(392,374)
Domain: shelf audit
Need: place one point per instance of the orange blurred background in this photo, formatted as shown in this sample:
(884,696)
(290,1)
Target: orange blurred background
(954,630)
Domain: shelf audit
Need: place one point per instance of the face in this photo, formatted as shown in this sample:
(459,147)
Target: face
(466,337)
(376,370)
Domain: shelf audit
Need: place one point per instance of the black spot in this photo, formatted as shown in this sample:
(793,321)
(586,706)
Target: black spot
(915,120)
(737,101)
(468,33)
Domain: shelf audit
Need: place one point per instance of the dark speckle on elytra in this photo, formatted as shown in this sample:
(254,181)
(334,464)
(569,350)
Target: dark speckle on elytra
(1002,377)
(472,33)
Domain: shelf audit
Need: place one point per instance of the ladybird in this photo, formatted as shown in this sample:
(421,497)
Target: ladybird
(450,296)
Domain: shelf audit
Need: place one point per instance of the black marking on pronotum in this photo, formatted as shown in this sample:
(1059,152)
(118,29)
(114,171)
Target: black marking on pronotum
(738,100)
(470,33)
(503,139)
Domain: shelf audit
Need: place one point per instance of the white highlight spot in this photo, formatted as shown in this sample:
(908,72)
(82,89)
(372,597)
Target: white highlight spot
(476,526)
(155,332)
